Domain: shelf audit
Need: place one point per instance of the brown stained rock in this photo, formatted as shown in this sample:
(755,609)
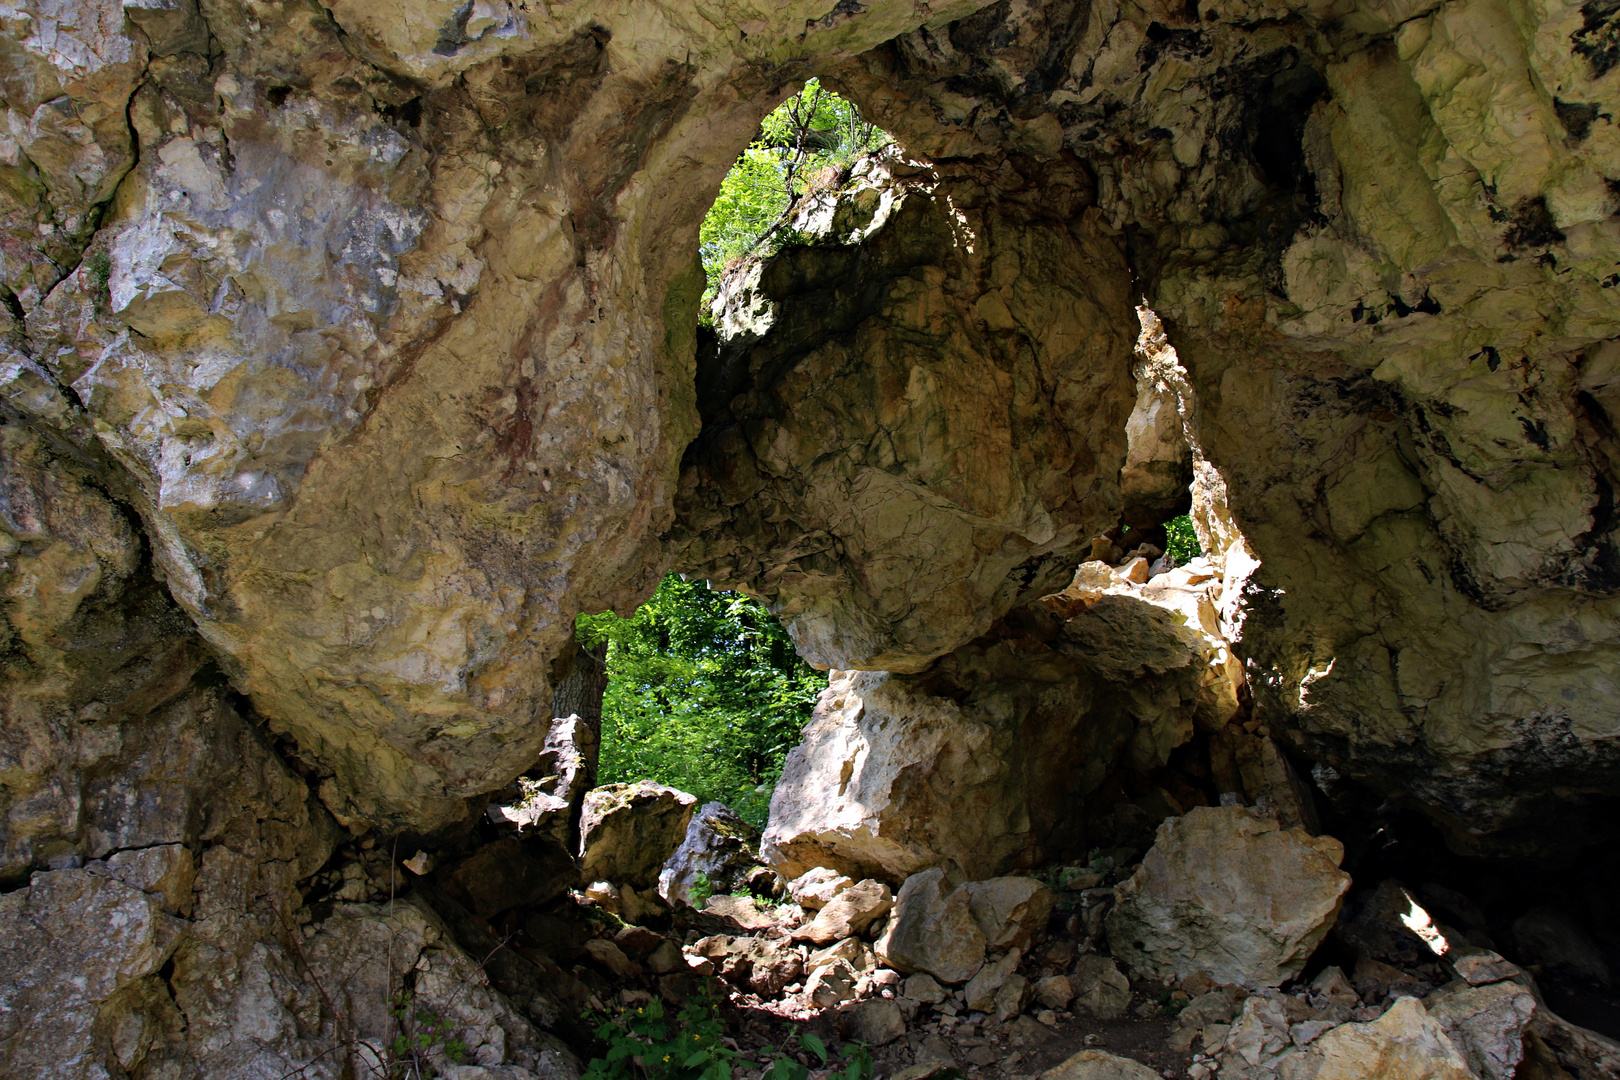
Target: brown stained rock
(933,931)
(628,831)
(1231,894)
(1099,1065)
(611,957)
(1012,998)
(1012,911)
(923,988)
(742,910)
(830,984)
(665,959)
(848,913)
(858,954)
(762,965)
(168,870)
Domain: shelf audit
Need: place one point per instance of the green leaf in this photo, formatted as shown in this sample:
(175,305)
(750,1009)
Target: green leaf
(815,1046)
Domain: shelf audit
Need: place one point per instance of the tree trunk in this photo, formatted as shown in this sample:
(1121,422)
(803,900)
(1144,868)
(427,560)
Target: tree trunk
(579,692)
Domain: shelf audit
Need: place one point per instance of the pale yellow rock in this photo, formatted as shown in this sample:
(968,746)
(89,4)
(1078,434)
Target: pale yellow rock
(1099,1065)
(1403,1044)
(1230,894)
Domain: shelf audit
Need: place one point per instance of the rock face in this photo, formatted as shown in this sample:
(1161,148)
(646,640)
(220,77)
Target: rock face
(1230,894)
(982,760)
(627,832)
(346,354)
(719,845)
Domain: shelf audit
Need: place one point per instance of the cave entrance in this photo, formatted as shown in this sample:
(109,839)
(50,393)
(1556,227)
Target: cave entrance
(810,144)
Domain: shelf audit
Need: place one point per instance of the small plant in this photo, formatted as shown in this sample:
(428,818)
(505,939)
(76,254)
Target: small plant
(856,1065)
(699,891)
(1170,1004)
(423,1036)
(646,1044)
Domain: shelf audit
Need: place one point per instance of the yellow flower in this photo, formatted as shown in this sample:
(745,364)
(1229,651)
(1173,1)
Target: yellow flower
(666,1059)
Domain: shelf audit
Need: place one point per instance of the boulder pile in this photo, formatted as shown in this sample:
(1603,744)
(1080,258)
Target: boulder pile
(1199,962)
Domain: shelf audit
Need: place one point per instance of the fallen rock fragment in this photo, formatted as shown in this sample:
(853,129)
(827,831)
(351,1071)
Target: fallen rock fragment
(1403,1044)
(763,965)
(1054,991)
(848,913)
(717,844)
(815,888)
(932,930)
(981,990)
(1486,1024)
(1012,911)
(831,984)
(1100,1065)
(629,831)
(742,910)
(1100,988)
(877,1022)
(1227,892)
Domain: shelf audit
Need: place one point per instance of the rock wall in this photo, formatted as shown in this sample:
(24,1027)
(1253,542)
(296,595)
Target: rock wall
(347,353)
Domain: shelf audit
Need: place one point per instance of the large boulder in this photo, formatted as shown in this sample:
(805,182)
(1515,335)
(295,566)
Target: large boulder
(629,831)
(1406,1043)
(1228,893)
(1099,1065)
(719,845)
(1012,911)
(1486,1024)
(932,930)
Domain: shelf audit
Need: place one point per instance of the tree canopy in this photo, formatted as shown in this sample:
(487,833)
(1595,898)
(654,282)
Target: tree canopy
(705,693)
(804,144)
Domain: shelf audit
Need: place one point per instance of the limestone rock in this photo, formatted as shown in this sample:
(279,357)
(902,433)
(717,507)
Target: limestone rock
(71,940)
(981,990)
(1099,1065)
(628,832)
(719,845)
(1486,1024)
(1012,911)
(1231,894)
(1403,1044)
(876,1022)
(816,887)
(1099,987)
(1054,991)
(741,910)
(853,951)
(1012,997)
(550,805)
(848,913)
(763,965)
(830,984)
(932,930)
(923,988)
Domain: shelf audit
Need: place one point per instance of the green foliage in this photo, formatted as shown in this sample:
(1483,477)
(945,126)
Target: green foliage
(700,889)
(809,140)
(645,1044)
(705,693)
(422,1036)
(1183,541)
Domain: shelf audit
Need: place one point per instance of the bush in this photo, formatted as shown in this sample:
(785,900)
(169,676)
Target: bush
(1183,541)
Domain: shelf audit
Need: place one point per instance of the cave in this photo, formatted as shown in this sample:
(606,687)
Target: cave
(352,351)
